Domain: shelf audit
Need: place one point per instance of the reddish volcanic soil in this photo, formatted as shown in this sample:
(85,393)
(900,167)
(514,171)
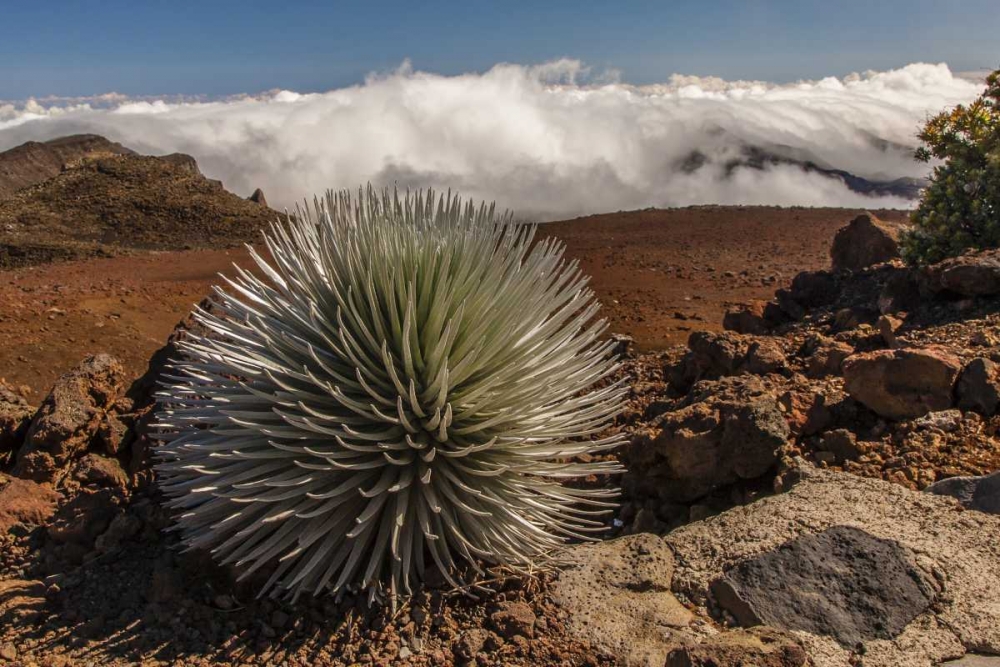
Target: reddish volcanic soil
(664,273)
(659,273)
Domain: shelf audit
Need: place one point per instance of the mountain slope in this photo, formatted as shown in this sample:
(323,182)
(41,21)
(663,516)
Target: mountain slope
(34,162)
(102,205)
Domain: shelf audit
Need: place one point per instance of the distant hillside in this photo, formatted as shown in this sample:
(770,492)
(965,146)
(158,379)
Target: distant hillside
(34,162)
(761,158)
(105,202)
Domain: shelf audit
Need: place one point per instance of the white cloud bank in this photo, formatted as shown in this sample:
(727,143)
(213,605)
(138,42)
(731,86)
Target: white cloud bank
(549,141)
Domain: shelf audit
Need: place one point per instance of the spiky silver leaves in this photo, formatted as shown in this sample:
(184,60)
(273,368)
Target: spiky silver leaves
(408,385)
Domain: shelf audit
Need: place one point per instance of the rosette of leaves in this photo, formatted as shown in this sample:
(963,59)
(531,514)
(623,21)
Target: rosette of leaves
(407,386)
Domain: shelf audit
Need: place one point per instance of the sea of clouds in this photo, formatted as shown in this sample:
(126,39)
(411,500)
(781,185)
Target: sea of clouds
(551,141)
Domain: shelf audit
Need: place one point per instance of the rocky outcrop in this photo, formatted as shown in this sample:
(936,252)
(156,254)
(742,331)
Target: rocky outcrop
(864,242)
(903,383)
(814,289)
(618,596)
(917,540)
(258,197)
(728,430)
(69,418)
(972,274)
(124,201)
(34,162)
(713,355)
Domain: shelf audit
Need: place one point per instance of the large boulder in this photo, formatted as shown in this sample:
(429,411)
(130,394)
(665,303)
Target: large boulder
(69,418)
(729,430)
(979,387)
(861,536)
(618,597)
(841,582)
(864,242)
(903,383)
(972,274)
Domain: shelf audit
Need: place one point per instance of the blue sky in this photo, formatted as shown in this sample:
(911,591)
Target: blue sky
(223,47)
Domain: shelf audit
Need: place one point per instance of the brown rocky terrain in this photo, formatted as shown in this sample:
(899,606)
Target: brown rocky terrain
(660,274)
(35,161)
(104,203)
(812,472)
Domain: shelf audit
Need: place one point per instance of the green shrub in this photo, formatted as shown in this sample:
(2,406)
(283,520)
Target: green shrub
(960,209)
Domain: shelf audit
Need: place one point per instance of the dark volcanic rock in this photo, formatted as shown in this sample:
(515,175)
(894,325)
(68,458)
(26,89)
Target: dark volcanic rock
(979,387)
(765,356)
(975,493)
(258,197)
(713,355)
(905,383)
(864,242)
(97,470)
(842,583)
(69,418)
(841,443)
(814,289)
(900,292)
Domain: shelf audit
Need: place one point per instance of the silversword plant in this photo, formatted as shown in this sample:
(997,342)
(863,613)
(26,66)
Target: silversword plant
(408,385)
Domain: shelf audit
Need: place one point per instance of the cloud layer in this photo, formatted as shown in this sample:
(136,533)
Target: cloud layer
(550,141)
